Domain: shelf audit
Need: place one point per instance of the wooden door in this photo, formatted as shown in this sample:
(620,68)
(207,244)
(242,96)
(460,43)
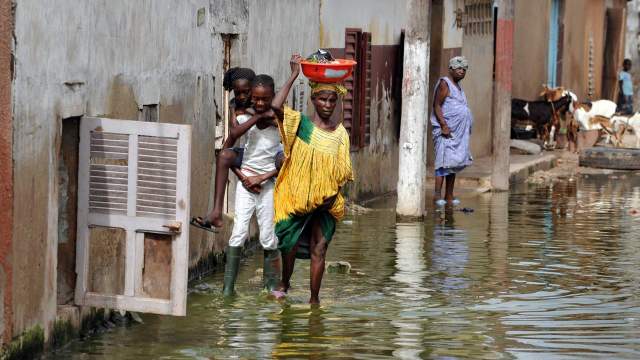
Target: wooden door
(613,52)
(133,215)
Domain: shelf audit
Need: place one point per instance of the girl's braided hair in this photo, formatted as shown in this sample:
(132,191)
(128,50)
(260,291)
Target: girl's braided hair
(237,73)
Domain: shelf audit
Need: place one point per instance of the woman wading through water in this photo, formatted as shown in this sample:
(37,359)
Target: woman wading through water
(317,164)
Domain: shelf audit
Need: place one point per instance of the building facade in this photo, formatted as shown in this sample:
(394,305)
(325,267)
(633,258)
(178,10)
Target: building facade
(541,54)
(163,61)
(160,62)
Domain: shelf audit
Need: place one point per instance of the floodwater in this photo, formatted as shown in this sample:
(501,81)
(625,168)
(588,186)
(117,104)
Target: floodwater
(542,272)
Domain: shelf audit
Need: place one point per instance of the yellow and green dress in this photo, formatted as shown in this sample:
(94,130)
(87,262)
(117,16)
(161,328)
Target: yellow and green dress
(317,164)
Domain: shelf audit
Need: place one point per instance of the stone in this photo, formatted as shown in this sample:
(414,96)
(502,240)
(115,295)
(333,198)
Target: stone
(526,146)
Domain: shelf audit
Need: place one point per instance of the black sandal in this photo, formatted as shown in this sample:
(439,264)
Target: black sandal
(202,224)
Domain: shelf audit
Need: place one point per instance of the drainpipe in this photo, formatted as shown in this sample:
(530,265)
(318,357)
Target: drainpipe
(502,96)
(6,167)
(412,164)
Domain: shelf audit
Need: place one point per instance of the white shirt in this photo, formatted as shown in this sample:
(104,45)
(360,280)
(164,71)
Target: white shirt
(242,140)
(260,148)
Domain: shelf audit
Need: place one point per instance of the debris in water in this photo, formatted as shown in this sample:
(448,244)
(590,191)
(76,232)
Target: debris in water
(203,287)
(466,210)
(634,212)
(356,209)
(136,317)
(339,267)
(347,222)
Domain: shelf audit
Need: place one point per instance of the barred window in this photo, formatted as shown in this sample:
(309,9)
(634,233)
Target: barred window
(478,17)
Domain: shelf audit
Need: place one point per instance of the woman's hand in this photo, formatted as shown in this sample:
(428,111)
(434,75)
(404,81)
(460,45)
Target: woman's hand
(295,63)
(445,131)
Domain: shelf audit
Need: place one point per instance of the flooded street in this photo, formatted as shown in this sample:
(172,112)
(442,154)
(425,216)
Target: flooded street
(538,273)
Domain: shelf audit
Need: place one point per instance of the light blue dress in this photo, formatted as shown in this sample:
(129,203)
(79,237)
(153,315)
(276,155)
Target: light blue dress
(452,154)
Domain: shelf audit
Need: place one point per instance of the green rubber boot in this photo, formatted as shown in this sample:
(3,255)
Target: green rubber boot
(272,269)
(231,269)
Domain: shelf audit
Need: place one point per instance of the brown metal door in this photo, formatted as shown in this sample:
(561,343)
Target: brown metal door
(613,52)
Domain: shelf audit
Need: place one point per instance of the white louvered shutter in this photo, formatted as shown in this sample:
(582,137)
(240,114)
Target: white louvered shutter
(133,215)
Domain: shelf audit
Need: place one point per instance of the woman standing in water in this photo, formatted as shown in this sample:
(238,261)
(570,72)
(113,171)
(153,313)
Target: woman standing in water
(317,164)
(451,121)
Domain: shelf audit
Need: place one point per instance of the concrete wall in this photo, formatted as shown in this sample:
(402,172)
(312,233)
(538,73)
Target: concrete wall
(109,58)
(383,19)
(375,165)
(106,59)
(478,86)
(278,30)
(452,35)
(6,170)
(530,48)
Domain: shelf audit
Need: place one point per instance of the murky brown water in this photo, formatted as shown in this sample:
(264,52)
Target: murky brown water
(540,273)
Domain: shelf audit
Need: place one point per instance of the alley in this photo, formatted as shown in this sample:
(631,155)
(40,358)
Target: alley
(545,271)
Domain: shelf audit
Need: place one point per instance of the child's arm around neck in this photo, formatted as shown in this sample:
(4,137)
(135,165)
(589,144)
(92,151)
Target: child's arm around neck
(237,131)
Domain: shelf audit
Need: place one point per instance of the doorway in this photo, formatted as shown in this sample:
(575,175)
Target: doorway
(67,209)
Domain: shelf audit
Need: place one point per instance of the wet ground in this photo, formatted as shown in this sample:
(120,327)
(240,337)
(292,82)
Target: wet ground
(544,272)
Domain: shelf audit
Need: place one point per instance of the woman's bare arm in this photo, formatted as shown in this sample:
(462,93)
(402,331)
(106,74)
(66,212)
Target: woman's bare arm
(442,92)
(278,101)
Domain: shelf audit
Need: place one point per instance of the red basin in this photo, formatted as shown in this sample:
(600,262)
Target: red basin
(328,72)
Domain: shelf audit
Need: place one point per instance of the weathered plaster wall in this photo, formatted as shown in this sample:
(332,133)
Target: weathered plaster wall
(478,86)
(110,58)
(278,30)
(384,19)
(375,165)
(101,58)
(6,170)
(451,34)
(530,46)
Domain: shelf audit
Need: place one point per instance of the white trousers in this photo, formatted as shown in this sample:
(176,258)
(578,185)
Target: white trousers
(262,204)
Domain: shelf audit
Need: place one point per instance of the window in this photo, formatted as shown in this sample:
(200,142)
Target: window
(357,101)
(478,17)
(133,208)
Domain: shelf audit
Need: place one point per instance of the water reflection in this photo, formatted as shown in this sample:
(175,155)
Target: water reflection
(449,253)
(410,274)
(542,272)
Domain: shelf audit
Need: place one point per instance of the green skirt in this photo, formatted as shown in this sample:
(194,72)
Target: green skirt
(297,230)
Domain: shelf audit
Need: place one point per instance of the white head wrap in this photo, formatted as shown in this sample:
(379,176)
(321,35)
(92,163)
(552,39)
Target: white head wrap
(458,62)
